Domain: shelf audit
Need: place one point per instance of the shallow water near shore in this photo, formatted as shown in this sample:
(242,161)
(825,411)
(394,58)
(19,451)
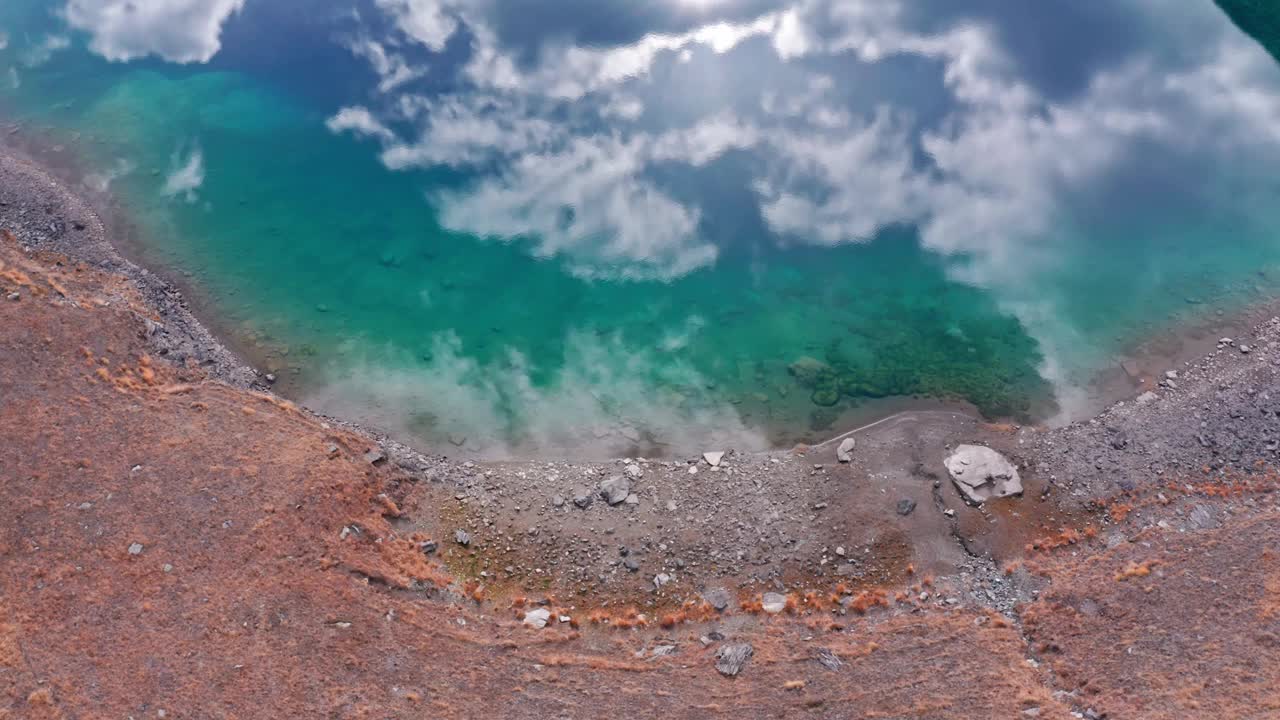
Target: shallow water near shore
(715,237)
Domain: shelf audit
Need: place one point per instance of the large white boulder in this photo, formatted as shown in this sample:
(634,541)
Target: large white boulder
(981,473)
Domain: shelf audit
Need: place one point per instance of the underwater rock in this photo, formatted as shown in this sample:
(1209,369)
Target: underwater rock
(808,371)
(981,473)
(825,397)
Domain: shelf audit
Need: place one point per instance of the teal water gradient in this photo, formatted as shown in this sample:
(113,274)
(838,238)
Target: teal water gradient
(338,275)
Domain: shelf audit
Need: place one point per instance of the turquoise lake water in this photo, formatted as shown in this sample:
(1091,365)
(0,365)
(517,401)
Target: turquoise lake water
(607,228)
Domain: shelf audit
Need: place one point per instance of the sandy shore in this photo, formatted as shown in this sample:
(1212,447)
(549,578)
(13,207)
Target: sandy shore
(113,372)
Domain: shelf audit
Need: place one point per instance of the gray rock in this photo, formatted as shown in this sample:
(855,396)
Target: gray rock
(660,581)
(774,603)
(634,472)
(135,549)
(615,490)
(462,537)
(537,619)
(633,499)
(1146,398)
(582,499)
(906,506)
(375,456)
(631,564)
(828,659)
(557,501)
(731,659)
(844,453)
(662,651)
(428,547)
(713,458)
(718,598)
(981,473)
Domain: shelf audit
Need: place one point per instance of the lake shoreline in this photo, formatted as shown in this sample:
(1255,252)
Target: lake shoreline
(215,345)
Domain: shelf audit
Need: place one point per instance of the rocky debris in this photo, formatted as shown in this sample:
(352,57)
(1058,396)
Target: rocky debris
(661,580)
(462,537)
(844,453)
(713,458)
(773,603)
(906,506)
(557,501)
(718,598)
(808,371)
(634,472)
(662,651)
(375,457)
(615,490)
(828,659)
(631,564)
(537,619)
(332,450)
(428,547)
(135,549)
(731,659)
(1146,398)
(981,473)
(582,499)
(14,296)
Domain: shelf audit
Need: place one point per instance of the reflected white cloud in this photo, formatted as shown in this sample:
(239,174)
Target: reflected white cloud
(187,176)
(181,31)
(601,403)
(569,139)
(43,50)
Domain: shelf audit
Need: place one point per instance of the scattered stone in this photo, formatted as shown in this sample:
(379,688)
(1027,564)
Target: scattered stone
(713,458)
(557,501)
(844,453)
(1245,349)
(582,499)
(1171,375)
(773,603)
(167,568)
(631,564)
(981,473)
(615,490)
(428,547)
(718,598)
(660,580)
(662,651)
(462,537)
(906,506)
(1146,397)
(14,296)
(828,659)
(537,619)
(375,457)
(731,659)
(270,378)
(633,499)
(135,549)
(634,472)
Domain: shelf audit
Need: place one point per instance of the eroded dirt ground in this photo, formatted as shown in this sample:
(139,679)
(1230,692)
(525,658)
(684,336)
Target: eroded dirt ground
(176,546)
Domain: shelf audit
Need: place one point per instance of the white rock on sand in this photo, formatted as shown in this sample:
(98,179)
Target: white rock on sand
(537,619)
(844,453)
(982,473)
